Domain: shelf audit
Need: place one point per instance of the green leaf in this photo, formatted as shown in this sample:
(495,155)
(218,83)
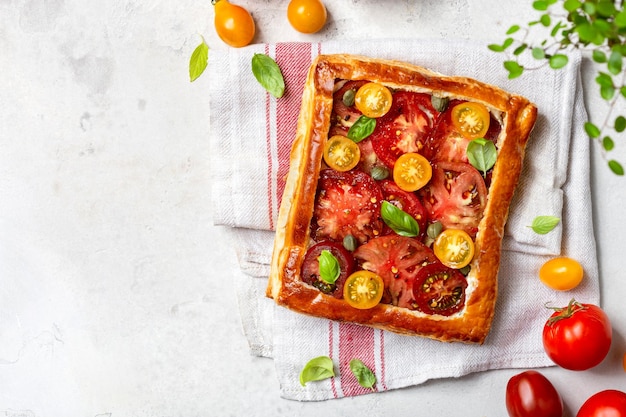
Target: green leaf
(615,62)
(592,130)
(620,19)
(589,8)
(571,5)
(606,8)
(538,53)
(616,167)
(540,5)
(398,220)
(587,32)
(558,61)
(268,74)
(514,69)
(599,56)
(317,369)
(495,47)
(329,267)
(544,224)
(520,49)
(623,91)
(482,154)
(546,20)
(513,29)
(362,128)
(198,61)
(604,80)
(620,124)
(607,92)
(607,143)
(363,374)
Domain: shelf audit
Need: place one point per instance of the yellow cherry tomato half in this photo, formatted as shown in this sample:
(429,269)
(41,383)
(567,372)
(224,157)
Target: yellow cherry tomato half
(363,289)
(306,16)
(412,171)
(373,100)
(471,119)
(233,24)
(561,273)
(454,248)
(341,153)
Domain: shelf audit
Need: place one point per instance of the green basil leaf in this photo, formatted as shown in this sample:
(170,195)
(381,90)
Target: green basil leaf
(363,374)
(616,167)
(362,128)
(400,221)
(268,74)
(329,267)
(544,224)
(482,154)
(198,61)
(317,369)
(514,69)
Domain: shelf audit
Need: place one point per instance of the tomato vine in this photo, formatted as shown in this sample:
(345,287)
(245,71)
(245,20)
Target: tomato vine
(595,26)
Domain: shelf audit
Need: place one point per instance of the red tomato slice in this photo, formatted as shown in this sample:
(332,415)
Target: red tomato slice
(397,259)
(344,116)
(405,128)
(439,290)
(369,159)
(347,203)
(311,268)
(405,201)
(448,144)
(456,196)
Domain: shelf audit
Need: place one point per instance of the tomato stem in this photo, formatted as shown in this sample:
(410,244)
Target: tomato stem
(565,312)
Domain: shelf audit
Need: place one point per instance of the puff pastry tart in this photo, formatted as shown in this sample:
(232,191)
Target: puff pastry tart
(396,199)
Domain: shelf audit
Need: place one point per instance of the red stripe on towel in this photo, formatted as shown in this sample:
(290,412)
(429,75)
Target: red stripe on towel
(354,342)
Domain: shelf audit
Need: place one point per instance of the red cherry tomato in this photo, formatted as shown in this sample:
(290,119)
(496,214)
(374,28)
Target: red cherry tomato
(609,403)
(439,290)
(531,394)
(577,337)
(233,24)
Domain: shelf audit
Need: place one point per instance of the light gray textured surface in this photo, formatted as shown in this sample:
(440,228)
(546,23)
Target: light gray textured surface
(115,298)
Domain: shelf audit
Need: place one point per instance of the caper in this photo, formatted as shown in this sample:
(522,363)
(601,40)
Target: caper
(348,97)
(379,173)
(465,270)
(350,243)
(434,229)
(439,103)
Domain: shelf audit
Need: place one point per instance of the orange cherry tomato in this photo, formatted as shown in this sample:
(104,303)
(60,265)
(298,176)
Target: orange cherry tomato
(561,273)
(454,248)
(373,100)
(341,154)
(363,289)
(412,171)
(471,119)
(233,24)
(306,16)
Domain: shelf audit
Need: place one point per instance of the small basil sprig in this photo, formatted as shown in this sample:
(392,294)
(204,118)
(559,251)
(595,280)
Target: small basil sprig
(400,221)
(362,128)
(329,267)
(268,74)
(199,60)
(363,374)
(544,224)
(317,369)
(482,154)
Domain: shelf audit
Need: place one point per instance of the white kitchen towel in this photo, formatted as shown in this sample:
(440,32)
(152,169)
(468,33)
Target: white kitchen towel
(251,135)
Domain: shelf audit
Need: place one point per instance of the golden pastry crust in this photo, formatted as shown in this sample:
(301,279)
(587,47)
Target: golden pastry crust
(472,323)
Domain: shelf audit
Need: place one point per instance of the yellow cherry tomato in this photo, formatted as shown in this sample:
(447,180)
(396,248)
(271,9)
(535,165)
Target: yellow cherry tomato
(373,100)
(233,24)
(561,273)
(454,248)
(471,119)
(363,289)
(412,171)
(306,16)
(341,153)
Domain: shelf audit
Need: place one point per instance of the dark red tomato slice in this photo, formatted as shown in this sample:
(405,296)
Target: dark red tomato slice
(369,159)
(446,143)
(344,116)
(405,128)
(397,259)
(311,267)
(439,290)
(456,196)
(347,203)
(406,201)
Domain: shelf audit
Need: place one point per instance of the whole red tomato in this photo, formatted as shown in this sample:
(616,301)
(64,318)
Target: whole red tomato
(609,403)
(530,394)
(577,337)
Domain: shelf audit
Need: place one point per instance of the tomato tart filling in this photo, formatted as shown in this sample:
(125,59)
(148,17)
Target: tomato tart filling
(402,189)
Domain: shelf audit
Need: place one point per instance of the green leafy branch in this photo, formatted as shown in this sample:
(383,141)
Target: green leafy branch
(595,26)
